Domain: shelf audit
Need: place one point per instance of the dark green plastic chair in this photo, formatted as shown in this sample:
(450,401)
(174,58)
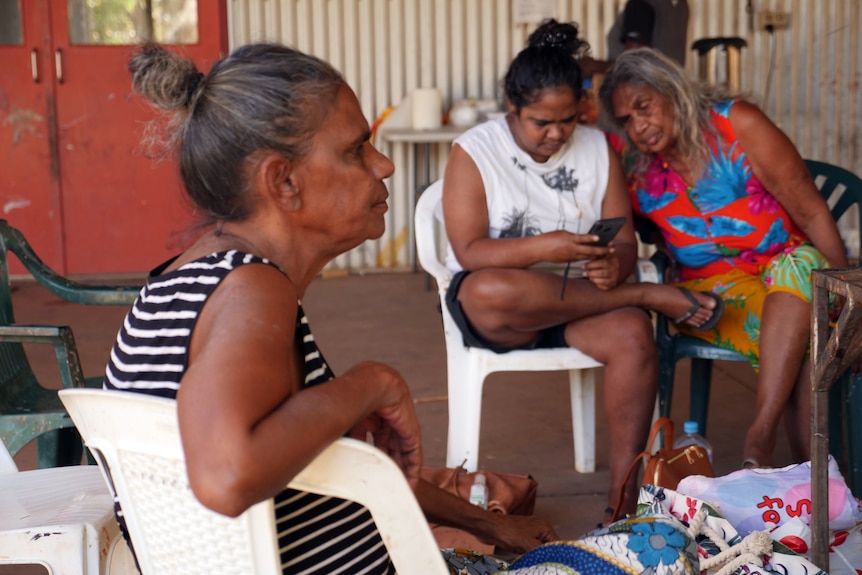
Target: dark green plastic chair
(29,410)
(674,347)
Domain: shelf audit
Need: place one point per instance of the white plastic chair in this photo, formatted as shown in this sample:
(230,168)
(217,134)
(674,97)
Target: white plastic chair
(61,518)
(137,438)
(469,366)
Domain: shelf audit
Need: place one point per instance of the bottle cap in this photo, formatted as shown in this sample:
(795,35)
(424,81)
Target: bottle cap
(690,427)
(479,479)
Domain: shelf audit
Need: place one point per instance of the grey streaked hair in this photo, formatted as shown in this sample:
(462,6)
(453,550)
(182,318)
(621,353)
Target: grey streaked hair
(690,100)
(262,97)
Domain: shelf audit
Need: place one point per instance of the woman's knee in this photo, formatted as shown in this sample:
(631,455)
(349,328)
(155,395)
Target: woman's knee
(623,333)
(633,327)
(490,290)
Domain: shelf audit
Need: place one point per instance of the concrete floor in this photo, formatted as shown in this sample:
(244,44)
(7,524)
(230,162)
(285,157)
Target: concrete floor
(393,318)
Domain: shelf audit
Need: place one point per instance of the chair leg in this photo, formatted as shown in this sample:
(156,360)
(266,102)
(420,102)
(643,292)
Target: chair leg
(59,448)
(582,386)
(466,379)
(701,379)
(837,420)
(666,373)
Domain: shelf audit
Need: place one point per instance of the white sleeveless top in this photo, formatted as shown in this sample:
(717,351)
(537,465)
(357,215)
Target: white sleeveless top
(528,198)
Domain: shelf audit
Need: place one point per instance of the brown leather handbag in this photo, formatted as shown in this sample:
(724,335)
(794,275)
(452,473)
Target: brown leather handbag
(511,493)
(667,465)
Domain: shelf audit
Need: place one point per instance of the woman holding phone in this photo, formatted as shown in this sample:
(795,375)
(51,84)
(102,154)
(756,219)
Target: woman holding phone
(519,197)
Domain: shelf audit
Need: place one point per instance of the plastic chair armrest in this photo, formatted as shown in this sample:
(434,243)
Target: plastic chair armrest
(60,338)
(60,286)
(647,272)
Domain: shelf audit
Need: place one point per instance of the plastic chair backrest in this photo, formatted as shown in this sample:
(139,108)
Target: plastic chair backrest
(7,464)
(173,533)
(431,234)
(28,409)
(842,190)
(16,374)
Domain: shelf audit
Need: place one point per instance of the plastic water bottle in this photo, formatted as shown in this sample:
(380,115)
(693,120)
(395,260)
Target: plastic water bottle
(691,436)
(479,491)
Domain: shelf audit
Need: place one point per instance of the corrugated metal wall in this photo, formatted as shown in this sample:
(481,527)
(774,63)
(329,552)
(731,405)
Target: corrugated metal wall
(806,77)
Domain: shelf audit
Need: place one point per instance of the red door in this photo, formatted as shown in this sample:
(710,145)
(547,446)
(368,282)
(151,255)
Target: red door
(29,190)
(119,210)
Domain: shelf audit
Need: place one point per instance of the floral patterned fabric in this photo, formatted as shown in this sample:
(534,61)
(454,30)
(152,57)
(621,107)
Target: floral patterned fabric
(727,234)
(780,560)
(727,220)
(744,295)
(653,544)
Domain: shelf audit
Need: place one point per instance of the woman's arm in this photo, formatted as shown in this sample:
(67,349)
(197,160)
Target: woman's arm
(610,270)
(465,212)
(782,171)
(247,425)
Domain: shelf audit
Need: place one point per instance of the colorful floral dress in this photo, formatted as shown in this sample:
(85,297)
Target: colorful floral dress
(727,233)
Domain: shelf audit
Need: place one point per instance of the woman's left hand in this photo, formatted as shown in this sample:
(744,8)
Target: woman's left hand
(604,272)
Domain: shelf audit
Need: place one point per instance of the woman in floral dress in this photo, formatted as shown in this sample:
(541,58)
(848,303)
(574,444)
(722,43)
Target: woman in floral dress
(740,215)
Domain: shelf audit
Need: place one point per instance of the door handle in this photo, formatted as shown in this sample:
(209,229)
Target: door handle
(58,64)
(34,65)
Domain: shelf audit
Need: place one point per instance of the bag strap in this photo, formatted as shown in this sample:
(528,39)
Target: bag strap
(451,481)
(660,423)
(622,489)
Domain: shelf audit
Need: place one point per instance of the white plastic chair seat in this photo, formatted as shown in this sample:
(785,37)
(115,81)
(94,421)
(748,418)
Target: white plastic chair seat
(467,367)
(63,519)
(148,471)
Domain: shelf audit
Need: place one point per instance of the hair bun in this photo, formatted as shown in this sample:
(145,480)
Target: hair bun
(194,82)
(553,34)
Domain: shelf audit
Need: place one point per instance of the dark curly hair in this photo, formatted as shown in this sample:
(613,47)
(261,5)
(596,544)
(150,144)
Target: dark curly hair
(548,61)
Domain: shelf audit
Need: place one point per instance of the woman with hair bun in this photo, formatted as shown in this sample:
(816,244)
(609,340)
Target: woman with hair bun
(519,196)
(285,179)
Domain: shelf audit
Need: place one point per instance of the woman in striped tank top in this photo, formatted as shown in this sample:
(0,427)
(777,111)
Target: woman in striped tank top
(274,150)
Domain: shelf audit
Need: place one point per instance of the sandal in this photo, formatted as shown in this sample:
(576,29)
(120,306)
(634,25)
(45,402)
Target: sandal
(716,311)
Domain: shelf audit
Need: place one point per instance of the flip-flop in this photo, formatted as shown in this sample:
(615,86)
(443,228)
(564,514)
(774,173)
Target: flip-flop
(716,311)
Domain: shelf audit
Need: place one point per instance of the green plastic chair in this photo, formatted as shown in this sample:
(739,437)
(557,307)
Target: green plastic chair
(29,410)
(674,347)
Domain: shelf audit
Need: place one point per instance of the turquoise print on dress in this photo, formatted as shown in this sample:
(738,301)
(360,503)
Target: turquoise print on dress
(725,226)
(774,239)
(752,326)
(723,183)
(697,255)
(716,226)
(650,203)
(723,108)
(694,227)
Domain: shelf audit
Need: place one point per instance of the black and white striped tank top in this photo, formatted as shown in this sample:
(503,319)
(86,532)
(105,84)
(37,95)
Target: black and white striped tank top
(317,535)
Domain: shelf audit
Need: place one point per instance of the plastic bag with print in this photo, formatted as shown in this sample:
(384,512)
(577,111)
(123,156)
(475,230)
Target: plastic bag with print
(756,499)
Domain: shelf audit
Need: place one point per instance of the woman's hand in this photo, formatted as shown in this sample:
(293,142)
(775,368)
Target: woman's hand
(561,246)
(394,425)
(604,272)
(518,533)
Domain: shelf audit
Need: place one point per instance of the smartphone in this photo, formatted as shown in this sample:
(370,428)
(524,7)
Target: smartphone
(606,229)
